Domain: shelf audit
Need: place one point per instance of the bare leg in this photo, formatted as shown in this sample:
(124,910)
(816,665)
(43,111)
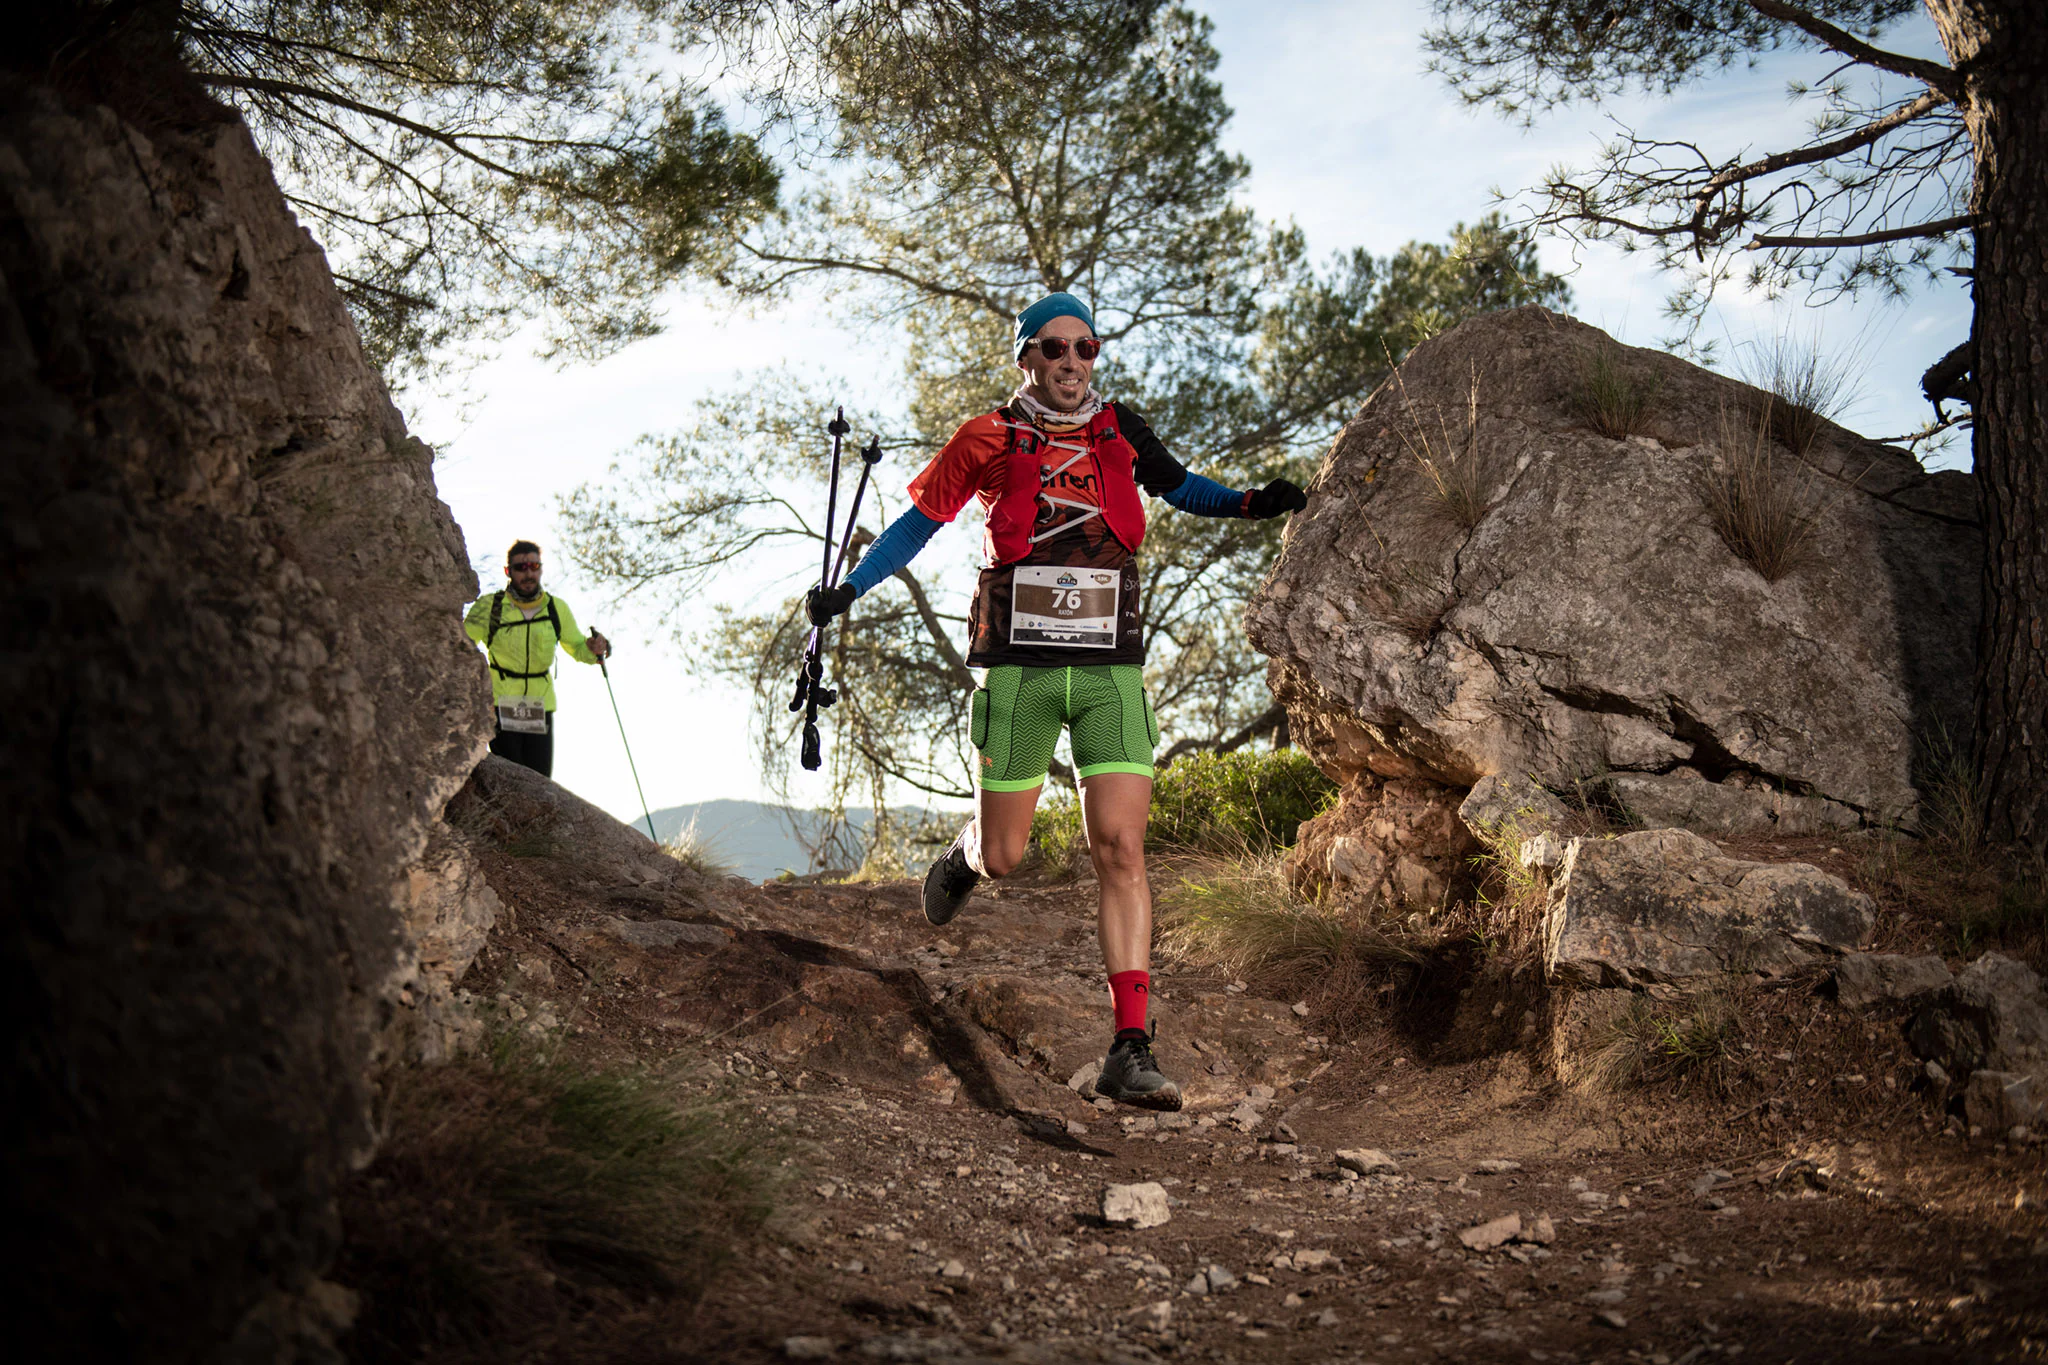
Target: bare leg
(1000,830)
(1114,807)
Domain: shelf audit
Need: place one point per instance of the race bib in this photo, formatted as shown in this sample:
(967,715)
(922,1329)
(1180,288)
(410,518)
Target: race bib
(522,716)
(1071,608)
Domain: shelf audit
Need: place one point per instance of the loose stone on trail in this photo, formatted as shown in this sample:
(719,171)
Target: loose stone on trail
(1366,1160)
(1156,1317)
(1492,1233)
(1135,1206)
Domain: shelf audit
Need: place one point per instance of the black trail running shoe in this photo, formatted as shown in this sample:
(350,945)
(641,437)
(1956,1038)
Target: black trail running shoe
(1131,1076)
(948,883)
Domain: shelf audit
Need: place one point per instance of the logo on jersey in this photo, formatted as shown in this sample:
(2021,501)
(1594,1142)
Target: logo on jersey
(1067,580)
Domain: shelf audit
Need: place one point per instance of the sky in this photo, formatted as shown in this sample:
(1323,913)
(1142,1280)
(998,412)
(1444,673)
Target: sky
(1347,135)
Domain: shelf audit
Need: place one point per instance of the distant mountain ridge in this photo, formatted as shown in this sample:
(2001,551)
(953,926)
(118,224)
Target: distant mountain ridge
(758,840)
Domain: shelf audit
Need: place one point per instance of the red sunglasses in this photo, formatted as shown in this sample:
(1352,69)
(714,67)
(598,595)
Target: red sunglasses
(1055,348)
(524,565)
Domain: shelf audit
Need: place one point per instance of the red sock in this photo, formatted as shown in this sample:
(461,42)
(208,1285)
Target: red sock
(1130,995)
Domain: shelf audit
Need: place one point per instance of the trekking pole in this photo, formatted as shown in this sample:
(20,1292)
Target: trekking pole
(631,766)
(811,693)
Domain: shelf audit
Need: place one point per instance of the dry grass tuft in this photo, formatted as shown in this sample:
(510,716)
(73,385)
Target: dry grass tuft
(1459,471)
(1613,396)
(1763,503)
(514,1197)
(1410,599)
(1807,389)
(1242,917)
(1952,797)
(1507,915)
(696,851)
(1652,1042)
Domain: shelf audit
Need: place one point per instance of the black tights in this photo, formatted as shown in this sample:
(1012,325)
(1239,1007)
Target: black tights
(528,751)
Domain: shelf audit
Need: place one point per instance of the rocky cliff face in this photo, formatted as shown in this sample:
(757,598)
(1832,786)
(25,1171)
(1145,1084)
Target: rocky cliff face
(1485,585)
(236,700)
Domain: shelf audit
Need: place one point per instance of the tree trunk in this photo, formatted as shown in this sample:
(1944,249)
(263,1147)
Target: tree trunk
(2001,48)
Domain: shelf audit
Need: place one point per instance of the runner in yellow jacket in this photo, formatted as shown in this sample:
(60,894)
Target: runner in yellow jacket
(519,628)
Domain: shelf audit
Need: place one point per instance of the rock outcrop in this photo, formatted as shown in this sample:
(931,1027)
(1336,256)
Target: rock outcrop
(1664,907)
(1992,1017)
(1542,602)
(237,699)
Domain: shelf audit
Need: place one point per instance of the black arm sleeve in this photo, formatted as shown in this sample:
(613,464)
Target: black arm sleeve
(1157,472)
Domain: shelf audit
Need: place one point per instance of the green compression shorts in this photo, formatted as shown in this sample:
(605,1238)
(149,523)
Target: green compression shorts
(1018,714)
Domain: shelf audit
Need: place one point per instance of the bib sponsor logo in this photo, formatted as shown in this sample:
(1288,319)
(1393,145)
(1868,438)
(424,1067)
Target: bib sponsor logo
(1067,580)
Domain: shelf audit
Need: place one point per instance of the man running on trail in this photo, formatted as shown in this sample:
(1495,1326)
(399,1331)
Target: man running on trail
(519,627)
(1056,623)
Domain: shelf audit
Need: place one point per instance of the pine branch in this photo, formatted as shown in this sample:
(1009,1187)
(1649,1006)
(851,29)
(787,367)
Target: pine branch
(1898,234)
(1942,78)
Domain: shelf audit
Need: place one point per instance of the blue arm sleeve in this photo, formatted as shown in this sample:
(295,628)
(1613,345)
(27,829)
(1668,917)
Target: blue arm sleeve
(1206,497)
(892,549)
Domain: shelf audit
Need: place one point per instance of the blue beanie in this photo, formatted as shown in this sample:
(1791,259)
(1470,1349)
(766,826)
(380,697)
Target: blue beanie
(1044,311)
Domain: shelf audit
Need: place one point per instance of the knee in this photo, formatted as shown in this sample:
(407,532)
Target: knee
(999,857)
(1000,860)
(1118,853)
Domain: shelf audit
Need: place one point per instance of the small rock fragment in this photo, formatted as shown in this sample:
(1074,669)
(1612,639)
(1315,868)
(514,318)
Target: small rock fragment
(1220,1279)
(1135,1206)
(1495,1166)
(1301,1009)
(1606,1297)
(1313,1260)
(1082,1082)
(1539,1232)
(1198,1285)
(1366,1160)
(1492,1233)
(1607,1317)
(953,1270)
(809,1348)
(1154,1317)
(1244,1118)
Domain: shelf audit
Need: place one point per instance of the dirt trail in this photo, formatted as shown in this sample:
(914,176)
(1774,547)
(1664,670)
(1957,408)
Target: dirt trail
(946,1189)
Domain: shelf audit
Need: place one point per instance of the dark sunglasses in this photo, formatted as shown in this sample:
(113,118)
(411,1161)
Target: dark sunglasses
(523,565)
(1055,348)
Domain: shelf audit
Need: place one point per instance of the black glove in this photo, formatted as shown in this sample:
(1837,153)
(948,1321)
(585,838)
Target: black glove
(1275,499)
(822,604)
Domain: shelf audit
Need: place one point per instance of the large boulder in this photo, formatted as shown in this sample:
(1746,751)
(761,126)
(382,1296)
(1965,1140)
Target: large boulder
(1664,907)
(1581,623)
(237,698)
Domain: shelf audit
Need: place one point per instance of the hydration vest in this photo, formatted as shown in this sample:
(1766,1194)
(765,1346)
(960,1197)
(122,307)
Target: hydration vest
(496,624)
(1011,530)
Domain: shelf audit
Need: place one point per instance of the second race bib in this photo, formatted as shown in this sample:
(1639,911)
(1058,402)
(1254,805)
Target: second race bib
(522,716)
(1070,608)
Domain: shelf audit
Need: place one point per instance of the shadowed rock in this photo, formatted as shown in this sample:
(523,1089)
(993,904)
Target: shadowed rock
(238,697)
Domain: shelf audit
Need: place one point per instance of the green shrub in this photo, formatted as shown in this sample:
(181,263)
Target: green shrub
(1057,833)
(1226,804)
(1236,802)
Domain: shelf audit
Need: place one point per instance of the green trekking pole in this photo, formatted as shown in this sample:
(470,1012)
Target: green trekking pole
(631,766)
